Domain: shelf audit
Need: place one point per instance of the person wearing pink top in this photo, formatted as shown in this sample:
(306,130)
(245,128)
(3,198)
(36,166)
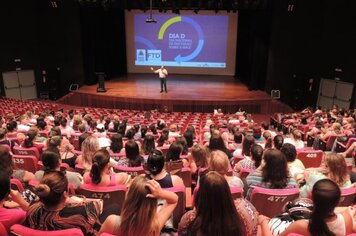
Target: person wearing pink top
(9,217)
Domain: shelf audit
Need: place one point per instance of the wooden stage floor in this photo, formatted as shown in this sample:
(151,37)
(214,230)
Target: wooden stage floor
(185,93)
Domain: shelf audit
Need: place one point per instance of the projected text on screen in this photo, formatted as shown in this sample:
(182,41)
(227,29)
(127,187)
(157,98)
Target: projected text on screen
(181,41)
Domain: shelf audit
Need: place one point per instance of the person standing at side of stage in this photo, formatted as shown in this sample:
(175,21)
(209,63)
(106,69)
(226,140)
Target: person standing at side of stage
(162,73)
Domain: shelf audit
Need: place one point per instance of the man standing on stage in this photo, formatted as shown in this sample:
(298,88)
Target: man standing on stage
(162,73)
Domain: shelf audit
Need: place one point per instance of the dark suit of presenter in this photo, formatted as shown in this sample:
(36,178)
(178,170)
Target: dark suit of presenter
(162,73)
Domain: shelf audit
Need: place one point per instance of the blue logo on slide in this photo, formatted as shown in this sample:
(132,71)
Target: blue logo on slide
(195,25)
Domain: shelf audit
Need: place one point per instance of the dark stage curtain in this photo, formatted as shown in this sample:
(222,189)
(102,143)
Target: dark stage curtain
(254,27)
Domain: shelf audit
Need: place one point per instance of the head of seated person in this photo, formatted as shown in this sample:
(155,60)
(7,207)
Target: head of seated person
(155,162)
(278,141)
(219,162)
(133,154)
(248,141)
(275,171)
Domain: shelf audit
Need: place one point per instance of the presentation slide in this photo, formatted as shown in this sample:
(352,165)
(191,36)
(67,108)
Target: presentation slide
(175,40)
(188,41)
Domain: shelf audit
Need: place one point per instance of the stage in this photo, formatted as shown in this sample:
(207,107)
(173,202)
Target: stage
(195,93)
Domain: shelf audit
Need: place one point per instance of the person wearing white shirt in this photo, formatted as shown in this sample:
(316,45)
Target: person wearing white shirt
(162,73)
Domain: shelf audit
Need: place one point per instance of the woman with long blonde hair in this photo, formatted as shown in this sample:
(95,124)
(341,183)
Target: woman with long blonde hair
(139,216)
(335,170)
(89,146)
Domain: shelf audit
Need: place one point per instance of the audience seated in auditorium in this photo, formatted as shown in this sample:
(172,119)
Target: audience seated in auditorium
(278,141)
(133,157)
(23,125)
(236,145)
(66,130)
(335,129)
(324,220)
(247,143)
(219,162)
(148,144)
(9,216)
(223,216)
(89,147)
(56,210)
(198,159)
(7,166)
(116,145)
(295,138)
(334,168)
(4,140)
(31,140)
(52,162)
(155,167)
(139,214)
(252,161)
(101,173)
(272,173)
(174,152)
(216,142)
(54,144)
(296,167)
(65,144)
(257,134)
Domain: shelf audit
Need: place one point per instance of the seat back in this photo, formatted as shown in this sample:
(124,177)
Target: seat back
(16,185)
(350,142)
(270,202)
(173,167)
(109,195)
(28,163)
(237,158)
(348,197)
(310,158)
(33,151)
(326,146)
(245,172)
(330,142)
(186,175)
(133,171)
(25,231)
(180,208)
(236,192)
(310,141)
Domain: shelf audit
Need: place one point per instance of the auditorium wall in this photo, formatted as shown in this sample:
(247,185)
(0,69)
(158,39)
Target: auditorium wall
(44,38)
(310,42)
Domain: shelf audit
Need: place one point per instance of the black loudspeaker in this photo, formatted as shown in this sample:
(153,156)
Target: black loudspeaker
(101,82)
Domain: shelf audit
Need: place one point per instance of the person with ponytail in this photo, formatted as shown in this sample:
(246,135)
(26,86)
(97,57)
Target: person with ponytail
(56,211)
(155,167)
(101,173)
(323,221)
(31,140)
(52,162)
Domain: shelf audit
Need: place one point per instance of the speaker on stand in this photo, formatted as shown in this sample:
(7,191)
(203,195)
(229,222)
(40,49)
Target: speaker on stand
(101,82)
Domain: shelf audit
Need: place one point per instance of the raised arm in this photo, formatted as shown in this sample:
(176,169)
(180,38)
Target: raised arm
(171,201)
